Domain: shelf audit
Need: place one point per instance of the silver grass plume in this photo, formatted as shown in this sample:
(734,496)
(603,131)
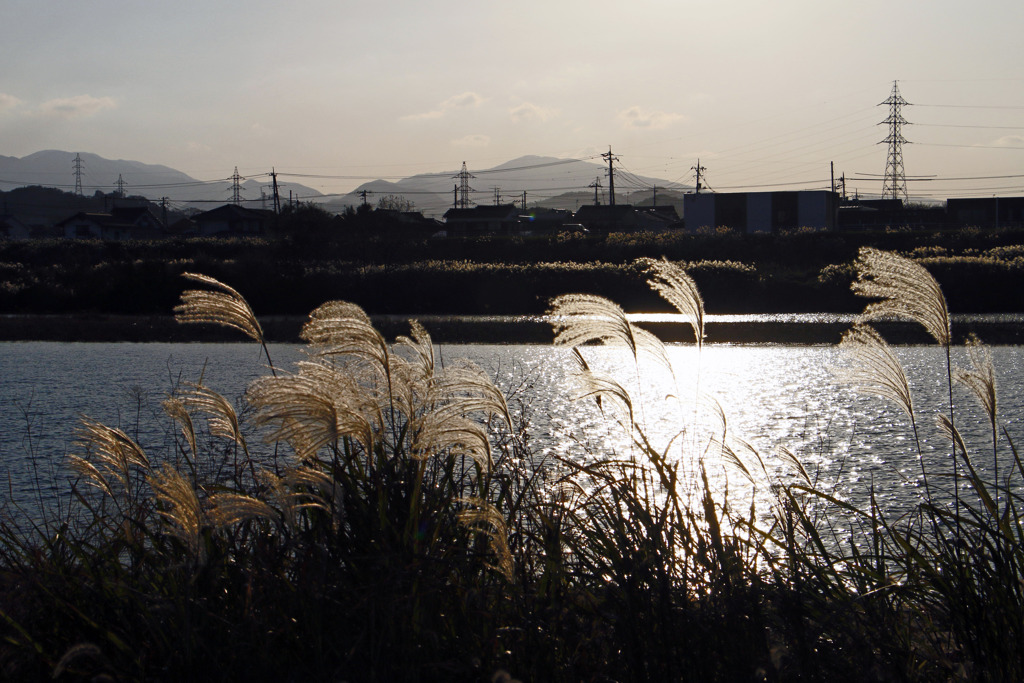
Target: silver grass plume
(732,459)
(220,414)
(874,368)
(180,507)
(175,409)
(446,429)
(444,423)
(474,390)
(222,306)
(342,328)
(677,287)
(906,289)
(603,388)
(421,346)
(980,379)
(228,509)
(950,431)
(305,487)
(484,518)
(315,408)
(579,319)
(110,453)
(787,456)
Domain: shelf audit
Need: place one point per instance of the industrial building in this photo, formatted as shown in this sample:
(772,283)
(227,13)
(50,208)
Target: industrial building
(761,211)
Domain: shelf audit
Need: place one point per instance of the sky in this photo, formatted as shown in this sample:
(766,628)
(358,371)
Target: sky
(765,94)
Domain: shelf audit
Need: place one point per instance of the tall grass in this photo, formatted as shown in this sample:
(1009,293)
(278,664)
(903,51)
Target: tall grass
(374,514)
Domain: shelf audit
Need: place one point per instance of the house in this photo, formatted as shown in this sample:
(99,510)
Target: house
(480,220)
(13,229)
(986,212)
(761,211)
(122,223)
(618,218)
(539,221)
(231,220)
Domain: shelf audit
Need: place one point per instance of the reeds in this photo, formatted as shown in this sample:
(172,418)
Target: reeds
(376,515)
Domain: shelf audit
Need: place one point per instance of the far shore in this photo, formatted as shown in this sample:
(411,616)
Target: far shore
(101,327)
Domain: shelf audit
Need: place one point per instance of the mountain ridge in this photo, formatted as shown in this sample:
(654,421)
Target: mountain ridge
(55,168)
(546,181)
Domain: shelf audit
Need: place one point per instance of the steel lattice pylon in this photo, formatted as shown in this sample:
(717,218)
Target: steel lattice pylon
(895,184)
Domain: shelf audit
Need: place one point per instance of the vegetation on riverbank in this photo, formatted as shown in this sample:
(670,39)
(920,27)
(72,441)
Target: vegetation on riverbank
(289,275)
(372,515)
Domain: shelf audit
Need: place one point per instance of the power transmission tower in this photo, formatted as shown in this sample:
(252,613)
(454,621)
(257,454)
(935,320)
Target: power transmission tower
(120,186)
(77,166)
(464,188)
(895,184)
(236,188)
(611,174)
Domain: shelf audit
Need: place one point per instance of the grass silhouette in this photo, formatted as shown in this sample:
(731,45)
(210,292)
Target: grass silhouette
(374,515)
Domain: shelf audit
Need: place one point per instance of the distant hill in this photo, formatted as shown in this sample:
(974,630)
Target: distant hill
(55,168)
(548,181)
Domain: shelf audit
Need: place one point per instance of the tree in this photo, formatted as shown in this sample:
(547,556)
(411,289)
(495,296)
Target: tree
(394,202)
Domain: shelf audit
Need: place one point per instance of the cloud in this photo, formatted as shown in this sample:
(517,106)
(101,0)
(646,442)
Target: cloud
(466,100)
(476,140)
(77,106)
(531,112)
(8,102)
(636,117)
(1010,141)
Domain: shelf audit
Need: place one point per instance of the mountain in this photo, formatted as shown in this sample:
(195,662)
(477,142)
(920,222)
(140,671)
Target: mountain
(55,168)
(547,181)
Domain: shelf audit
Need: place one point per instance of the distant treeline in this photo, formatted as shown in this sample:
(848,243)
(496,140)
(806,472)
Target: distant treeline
(409,273)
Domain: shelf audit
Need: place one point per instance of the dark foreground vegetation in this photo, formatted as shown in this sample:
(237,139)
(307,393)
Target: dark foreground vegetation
(389,271)
(370,515)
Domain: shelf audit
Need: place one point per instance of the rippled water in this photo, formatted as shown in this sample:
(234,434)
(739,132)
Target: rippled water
(770,396)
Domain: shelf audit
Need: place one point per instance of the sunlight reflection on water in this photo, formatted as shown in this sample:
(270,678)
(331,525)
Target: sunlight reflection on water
(771,396)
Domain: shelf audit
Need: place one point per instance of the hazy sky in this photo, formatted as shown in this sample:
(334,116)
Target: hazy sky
(763,93)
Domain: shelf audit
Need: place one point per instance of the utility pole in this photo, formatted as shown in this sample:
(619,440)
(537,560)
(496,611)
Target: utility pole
(524,200)
(77,166)
(163,205)
(611,174)
(699,169)
(895,183)
(497,196)
(236,188)
(455,197)
(363,193)
(277,194)
(596,185)
(654,197)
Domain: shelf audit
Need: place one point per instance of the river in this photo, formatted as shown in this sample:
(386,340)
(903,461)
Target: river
(771,396)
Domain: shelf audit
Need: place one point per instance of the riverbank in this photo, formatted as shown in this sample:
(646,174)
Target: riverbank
(450,329)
